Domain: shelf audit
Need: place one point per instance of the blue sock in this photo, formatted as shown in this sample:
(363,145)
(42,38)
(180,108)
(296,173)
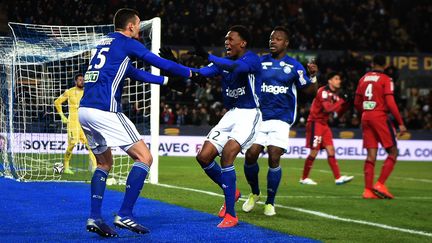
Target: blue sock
(229,188)
(98,184)
(134,184)
(213,170)
(251,172)
(273,179)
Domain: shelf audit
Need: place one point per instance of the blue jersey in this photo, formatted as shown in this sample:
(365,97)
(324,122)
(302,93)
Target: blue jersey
(281,79)
(110,65)
(241,79)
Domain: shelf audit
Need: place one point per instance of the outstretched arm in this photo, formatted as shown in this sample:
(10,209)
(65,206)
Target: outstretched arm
(146,77)
(167,65)
(229,65)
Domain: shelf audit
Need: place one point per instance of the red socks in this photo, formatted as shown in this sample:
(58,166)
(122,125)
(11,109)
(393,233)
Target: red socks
(308,166)
(369,174)
(334,166)
(387,168)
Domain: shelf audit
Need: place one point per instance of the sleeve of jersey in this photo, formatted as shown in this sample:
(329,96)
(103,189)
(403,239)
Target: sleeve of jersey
(230,65)
(138,50)
(209,71)
(329,107)
(303,80)
(358,99)
(391,104)
(358,102)
(59,101)
(144,76)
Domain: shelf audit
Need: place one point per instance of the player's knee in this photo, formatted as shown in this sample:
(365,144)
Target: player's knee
(393,151)
(105,166)
(274,162)
(274,159)
(203,159)
(251,156)
(146,158)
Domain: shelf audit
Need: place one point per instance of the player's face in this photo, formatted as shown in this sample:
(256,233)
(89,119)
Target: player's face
(135,28)
(278,42)
(80,82)
(335,82)
(234,44)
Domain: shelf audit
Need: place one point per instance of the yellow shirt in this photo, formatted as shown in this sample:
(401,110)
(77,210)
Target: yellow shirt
(73,97)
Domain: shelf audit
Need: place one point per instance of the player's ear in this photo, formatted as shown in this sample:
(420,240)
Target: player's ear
(243,44)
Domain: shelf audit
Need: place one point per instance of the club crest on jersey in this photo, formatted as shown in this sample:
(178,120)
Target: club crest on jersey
(287,69)
(235,93)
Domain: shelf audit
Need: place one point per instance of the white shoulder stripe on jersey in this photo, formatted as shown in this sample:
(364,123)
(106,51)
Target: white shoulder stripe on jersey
(294,91)
(116,82)
(251,78)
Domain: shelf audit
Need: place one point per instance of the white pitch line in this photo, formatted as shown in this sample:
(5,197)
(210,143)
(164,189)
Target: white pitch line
(360,174)
(350,197)
(316,213)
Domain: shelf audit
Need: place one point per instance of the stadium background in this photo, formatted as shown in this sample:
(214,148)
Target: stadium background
(342,35)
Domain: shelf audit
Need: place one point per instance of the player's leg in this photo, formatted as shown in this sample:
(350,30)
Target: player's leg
(274,176)
(331,158)
(332,161)
(134,184)
(206,158)
(243,134)
(313,141)
(389,164)
(228,178)
(371,144)
(95,223)
(92,158)
(251,170)
(387,137)
(68,156)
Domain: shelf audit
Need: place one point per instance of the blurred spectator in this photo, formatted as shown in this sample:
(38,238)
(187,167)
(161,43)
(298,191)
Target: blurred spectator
(378,25)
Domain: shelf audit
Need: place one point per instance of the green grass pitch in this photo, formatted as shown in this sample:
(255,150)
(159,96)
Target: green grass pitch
(411,183)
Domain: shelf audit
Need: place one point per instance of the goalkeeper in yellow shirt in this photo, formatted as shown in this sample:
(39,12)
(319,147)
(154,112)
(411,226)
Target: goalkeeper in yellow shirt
(75,133)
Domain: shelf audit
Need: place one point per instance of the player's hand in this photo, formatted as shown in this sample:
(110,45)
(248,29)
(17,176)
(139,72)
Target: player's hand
(312,68)
(402,130)
(198,79)
(199,50)
(346,96)
(177,84)
(64,119)
(166,52)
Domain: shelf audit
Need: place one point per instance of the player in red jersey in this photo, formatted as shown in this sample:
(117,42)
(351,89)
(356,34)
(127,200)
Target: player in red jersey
(374,99)
(318,133)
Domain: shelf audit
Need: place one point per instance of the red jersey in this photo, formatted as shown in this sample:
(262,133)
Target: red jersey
(371,96)
(326,101)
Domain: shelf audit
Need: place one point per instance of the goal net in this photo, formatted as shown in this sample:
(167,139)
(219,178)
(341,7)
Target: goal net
(41,65)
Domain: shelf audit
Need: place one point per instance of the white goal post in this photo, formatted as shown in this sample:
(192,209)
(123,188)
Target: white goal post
(41,63)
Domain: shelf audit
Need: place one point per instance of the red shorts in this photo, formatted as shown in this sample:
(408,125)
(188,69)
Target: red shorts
(376,131)
(318,135)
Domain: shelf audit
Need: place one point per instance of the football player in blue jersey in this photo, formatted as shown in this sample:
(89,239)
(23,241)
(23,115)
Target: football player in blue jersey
(282,77)
(237,130)
(106,126)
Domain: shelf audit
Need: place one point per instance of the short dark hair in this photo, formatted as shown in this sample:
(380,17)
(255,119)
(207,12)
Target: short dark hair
(77,76)
(243,33)
(379,60)
(331,75)
(124,16)
(283,29)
